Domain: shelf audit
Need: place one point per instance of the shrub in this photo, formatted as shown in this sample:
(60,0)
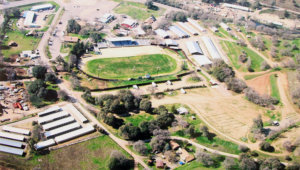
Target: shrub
(118,161)
(243,148)
(266,146)
(140,147)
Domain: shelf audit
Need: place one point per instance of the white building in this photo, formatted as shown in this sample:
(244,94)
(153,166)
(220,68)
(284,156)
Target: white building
(106,18)
(188,28)
(179,32)
(214,29)
(225,26)
(213,51)
(237,7)
(202,60)
(42,7)
(29,20)
(162,33)
(196,25)
(194,47)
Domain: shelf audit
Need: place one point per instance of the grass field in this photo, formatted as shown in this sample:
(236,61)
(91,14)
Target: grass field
(138,118)
(274,87)
(131,67)
(234,51)
(137,10)
(197,166)
(24,42)
(249,77)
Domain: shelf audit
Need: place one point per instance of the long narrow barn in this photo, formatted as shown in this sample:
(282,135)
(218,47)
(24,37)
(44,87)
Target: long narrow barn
(188,28)
(213,51)
(194,47)
(162,33)
(16,130)
(196,25)
(61,130)
(58,123)
(53,117)
(74,134)
(202,60)
(49,111)
(77,113)
(179,32)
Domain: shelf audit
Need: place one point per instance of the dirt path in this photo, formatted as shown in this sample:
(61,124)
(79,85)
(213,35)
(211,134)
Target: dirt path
(261,84)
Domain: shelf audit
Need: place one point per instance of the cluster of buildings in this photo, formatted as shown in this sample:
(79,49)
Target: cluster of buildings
(60,126)
(12,140)
(30,16)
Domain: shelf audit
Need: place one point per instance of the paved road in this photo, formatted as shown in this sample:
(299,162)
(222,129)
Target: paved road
(19,3)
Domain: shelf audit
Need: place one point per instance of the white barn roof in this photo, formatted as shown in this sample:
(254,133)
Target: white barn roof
(106,18)
(62,130)
(188,28)
(49,110)
(162,33)
(74,134)
(12,136)
(11,143)
(11,150)
(178,31)
(224,26)
(16,130)
(58,123)
(29,18)
(76,112)
(193,47)
(195,24)
(44,144)
(202,60)
(53,117)
(170,42)
(42,7)
(118,39)
(237,7)
(214,53)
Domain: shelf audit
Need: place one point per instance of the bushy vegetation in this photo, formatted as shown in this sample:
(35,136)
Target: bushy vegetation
(73,27)
(119,161)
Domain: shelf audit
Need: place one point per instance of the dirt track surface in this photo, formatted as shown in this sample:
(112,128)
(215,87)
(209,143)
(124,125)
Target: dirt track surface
(261,84)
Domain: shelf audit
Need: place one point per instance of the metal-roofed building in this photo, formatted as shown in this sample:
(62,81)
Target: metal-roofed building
(213,51)
(194,47)
(74,134)
(106,18)
(16,130)
(162,33)
(29,19)
(188,28)
(170,42)
(122,41)
(42,7)
(237,7)
(11,143)
(44,144)
(58,123)
(179,32)
(53,117)
(195,24)
(202,60)
(12,136)
(78,114)
(224,26)
(11,150)
(49,111)
(61,130)
(214,29)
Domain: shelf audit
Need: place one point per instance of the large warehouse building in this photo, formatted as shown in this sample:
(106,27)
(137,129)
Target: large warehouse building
(42,7)
(29,20)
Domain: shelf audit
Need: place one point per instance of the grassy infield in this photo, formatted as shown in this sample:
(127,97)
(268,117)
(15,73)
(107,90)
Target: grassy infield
(137,10)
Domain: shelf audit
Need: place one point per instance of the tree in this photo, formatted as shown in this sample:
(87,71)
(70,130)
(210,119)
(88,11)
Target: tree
(271,163)
(171,156)
(205,131)
(257,124)
(286,14)
(39,72)
(63,95)
(205,158)
(230,164)
(111,120)
(247,163)
(73,27)
(140,147)
(78,50)
(130,132)
(149,4)
(87,96)
(96,37)
(146,105)
(35,86)
(266,146)
(264,66)
(235,84)
(119,161)
(75,83)
(165,120)
(243,148)
(159,140)
(191,130)
(50,77)
(293,166)
(42,93)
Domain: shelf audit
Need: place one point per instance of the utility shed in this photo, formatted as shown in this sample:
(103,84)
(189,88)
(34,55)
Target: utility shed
(188,28)
(16,130)
(179,32)
(11,143)
(74,134)
(53,117)
(44,144)
(58,123)
(49,111)
(62,130)
(225,26)
(162,33)
(12,136)
(202,60)
(11,150)
(214,53)
(194,47)
(196,25)
(78,114)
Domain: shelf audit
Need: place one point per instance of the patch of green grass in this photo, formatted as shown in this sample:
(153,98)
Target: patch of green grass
(131,67)
(234,51)
(81,37)
(44,29)
(48,52)
(219,34)
(66,48)
(137,10)
(24,42)
(252,76)
(274,88)
(136,119)
(222,145)
(50,19)
(226,33)
(52,87)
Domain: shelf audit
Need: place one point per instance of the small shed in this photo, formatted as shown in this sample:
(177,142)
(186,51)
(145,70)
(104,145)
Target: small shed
(182,110)
(189,158)
(174,145)
(182,91)
(160,164)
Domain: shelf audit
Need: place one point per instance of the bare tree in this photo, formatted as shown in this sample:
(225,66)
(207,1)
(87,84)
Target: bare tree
(140,147)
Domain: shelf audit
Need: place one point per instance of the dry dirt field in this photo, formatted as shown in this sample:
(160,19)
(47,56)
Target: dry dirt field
(261,84)
(231,115)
